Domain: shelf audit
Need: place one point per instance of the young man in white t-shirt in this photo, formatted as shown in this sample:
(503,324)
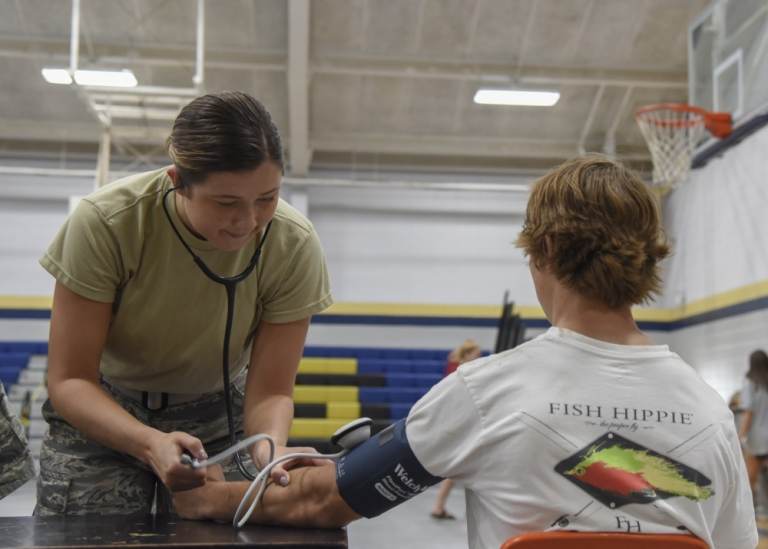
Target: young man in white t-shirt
(587,427)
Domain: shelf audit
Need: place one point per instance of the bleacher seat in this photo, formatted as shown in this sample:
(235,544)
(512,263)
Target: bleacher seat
(416,380)
(29,347)
(378,395)
(9,375)
(374,352)
(16,359)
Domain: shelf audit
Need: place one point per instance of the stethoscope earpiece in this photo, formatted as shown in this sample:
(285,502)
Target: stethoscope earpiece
(353,433)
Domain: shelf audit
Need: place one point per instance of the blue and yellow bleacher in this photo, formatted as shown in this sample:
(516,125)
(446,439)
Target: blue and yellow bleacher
(337,384)
(11,365)
(14,357)
(334,384)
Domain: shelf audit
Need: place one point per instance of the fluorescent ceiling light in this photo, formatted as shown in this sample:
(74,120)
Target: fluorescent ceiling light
(114,79)
(57,76)
(525,98)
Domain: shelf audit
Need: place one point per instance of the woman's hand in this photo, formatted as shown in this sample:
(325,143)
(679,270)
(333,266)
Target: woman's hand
(164,457)
(279,473)
(201,503)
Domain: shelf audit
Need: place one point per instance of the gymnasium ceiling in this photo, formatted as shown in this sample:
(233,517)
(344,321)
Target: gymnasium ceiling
(353,84)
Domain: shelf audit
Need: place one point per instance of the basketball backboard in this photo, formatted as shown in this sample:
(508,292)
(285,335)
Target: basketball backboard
(728,58)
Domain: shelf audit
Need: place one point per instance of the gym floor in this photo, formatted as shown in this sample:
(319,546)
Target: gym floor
(762,526)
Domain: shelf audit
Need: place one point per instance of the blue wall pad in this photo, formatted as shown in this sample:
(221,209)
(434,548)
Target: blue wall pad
(738,135)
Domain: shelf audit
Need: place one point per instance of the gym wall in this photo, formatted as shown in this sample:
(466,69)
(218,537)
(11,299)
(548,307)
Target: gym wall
(717,278)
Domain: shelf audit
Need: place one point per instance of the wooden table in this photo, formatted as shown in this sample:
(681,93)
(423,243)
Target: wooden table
(155,531)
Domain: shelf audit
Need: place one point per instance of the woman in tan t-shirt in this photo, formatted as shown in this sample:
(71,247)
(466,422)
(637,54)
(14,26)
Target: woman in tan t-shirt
(135,363)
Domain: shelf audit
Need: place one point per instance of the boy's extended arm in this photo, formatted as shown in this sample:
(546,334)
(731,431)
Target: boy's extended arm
(311,499)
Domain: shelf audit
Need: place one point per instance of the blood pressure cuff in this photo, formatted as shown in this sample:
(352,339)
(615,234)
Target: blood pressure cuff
(381,473)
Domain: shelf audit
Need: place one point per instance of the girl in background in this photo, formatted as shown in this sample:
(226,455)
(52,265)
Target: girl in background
(466,352)
(753,431)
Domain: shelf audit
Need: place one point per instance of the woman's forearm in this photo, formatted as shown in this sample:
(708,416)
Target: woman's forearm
(272,414)
(88,408)
(275,358)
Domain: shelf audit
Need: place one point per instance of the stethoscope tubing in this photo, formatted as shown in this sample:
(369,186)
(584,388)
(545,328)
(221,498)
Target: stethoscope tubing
(230,284)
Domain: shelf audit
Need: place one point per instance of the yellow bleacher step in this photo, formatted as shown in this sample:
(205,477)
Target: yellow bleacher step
(321,394)
(342,410)
(328,366)
(315,427)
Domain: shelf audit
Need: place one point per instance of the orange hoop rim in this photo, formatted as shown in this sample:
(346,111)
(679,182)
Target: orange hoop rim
(719,124)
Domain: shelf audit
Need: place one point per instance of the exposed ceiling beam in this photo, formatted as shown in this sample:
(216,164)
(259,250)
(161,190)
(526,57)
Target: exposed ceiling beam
(497,74)
(147,92)
(419,26)
(136,113)
(609,146)
(198,79)
(488,73)
(20,15)
(77,132)
(145,54)
(435,145)
(586,18)
(298,86)
(474,20)
(590,119)
(526,34)
(444,145)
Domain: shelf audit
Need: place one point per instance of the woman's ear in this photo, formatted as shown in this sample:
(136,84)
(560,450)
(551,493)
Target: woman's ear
(173,173)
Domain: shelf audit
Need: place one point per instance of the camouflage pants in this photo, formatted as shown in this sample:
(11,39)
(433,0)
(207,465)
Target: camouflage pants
(79,476)
(16,465)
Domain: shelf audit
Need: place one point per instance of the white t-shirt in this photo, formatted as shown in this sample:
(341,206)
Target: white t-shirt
(570,433)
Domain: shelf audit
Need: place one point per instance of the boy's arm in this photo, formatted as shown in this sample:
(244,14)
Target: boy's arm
(312,499)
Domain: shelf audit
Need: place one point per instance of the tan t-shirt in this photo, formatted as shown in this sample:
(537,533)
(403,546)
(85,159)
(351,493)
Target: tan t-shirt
(167,328)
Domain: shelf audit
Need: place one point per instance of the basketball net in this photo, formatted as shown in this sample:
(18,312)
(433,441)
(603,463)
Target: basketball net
(672,132)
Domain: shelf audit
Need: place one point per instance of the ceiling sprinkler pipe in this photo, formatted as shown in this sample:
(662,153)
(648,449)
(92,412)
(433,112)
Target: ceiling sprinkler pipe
(198,79)
(74,42)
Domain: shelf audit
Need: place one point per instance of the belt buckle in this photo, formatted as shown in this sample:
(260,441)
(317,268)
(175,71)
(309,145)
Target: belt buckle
(154,401)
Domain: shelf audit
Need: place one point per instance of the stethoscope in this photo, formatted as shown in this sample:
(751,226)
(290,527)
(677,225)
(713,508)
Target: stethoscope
(230,284)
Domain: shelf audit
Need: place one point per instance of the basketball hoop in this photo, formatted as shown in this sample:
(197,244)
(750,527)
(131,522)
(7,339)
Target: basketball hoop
(672,131)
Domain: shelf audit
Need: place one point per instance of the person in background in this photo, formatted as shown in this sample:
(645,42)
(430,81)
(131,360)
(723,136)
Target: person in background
(753,431)
(734,404)
(466,352)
